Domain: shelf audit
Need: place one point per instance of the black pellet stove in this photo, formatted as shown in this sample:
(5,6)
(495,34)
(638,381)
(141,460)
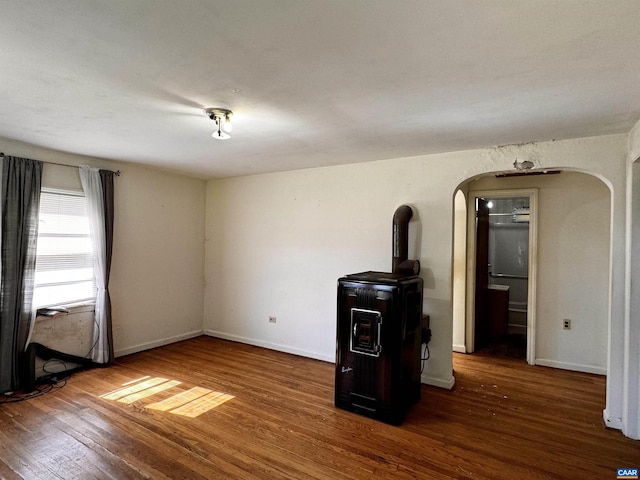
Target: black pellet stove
(379,335)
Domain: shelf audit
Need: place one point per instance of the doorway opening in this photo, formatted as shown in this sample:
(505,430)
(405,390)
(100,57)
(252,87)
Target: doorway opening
(501,253)
(502,275)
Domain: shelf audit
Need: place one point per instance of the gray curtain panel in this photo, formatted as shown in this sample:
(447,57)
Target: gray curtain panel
(106,177)
(21,183)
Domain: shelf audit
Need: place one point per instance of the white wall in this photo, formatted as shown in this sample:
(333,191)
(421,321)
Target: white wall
(157,275)
(459,271)
(277,243)
(631,370)
(158,254)
(574,214)
(632,378)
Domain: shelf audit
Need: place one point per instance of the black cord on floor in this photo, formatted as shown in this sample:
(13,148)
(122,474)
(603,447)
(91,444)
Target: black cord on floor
(52,381)
(40,390)
(425,350)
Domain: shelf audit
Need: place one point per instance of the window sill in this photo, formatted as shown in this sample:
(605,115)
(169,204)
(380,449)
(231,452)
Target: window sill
(72,309)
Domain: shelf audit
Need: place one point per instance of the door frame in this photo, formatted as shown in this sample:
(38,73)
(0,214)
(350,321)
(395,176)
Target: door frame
(532,194)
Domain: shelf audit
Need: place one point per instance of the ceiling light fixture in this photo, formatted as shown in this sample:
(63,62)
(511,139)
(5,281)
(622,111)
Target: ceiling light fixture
(222,118)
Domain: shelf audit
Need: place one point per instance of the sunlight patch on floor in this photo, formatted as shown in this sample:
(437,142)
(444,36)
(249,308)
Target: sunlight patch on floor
(123,392)
(179,399)
(203,404)
(134,397)
(190,403)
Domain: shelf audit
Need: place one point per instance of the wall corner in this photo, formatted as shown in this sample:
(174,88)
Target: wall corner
(634,143)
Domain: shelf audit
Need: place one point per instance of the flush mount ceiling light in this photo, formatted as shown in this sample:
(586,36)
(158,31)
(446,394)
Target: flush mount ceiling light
(222,118)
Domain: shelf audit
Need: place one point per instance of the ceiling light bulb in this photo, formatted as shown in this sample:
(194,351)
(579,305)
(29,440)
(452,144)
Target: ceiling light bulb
(222,119)
(220,135)
(227,126)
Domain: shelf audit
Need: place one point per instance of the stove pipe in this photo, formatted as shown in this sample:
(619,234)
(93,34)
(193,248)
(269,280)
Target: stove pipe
(400,263)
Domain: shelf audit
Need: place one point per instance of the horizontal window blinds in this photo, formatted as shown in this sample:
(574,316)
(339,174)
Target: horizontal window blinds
(64,265)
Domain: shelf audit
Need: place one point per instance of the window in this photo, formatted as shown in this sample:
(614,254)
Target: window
(64,264)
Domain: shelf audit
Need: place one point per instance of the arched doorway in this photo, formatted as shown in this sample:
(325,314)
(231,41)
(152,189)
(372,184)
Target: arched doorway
(573,268)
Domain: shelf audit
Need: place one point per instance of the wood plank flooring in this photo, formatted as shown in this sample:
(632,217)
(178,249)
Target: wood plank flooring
(269,415)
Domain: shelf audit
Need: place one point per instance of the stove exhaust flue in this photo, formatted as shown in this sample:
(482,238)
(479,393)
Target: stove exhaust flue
(400,263)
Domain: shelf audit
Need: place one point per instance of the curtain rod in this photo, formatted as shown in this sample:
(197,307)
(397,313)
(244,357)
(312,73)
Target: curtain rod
(117,173)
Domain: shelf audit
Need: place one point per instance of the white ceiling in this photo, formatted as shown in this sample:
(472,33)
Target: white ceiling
(312,82)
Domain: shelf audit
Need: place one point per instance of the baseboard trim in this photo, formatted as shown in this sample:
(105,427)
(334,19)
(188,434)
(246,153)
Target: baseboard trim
(576,367)
(271,346)
(435,381)
(439,382)
(611,422)
(157,343)
(459,348)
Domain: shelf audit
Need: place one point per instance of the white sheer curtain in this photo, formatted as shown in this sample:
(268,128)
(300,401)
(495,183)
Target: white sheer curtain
(92,186)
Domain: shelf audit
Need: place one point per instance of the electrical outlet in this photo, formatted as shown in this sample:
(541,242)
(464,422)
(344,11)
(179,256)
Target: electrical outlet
(272,319)
(566,324)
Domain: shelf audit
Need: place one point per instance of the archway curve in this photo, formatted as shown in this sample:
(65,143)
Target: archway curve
(492,173)
(466,185)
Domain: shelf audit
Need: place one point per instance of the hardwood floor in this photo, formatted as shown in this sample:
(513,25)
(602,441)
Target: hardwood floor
(503,420)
